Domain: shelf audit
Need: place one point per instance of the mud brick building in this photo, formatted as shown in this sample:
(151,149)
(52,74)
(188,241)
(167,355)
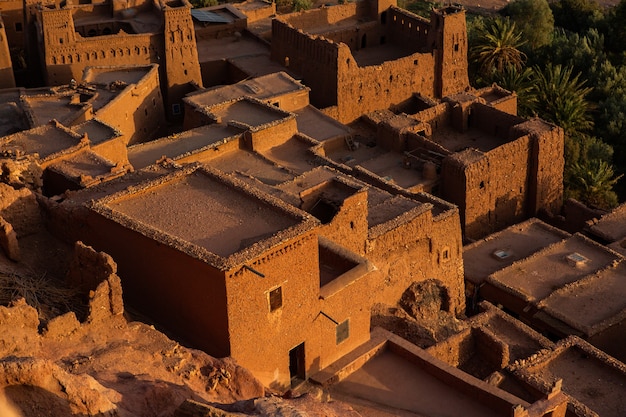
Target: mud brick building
(560,284)
(76,36)
(77,135)
(342,52)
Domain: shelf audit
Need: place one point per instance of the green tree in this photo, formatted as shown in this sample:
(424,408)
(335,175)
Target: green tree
(497,46)
(522,82)
(561,99)
(534,19)
(592,183)
(198,4)
(576,15)
(300,5)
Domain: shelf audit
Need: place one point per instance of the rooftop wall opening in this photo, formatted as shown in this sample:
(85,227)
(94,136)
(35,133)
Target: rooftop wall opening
(325,199)
(333,264)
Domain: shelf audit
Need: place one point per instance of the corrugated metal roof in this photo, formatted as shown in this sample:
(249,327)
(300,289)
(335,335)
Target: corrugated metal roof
(209,17)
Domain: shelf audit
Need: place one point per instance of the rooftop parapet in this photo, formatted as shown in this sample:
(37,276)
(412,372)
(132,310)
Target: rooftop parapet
(214,199)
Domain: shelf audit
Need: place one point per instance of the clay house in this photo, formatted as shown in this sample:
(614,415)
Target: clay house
(469,151)
(592,380)
(75,35)
(341,52)
(75,136)
(368,244)
(610,229)
(560,284)
(390,374)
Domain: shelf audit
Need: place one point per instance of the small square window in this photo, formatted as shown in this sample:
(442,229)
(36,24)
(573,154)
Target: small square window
(276,298)
(343,331)
(176,108)
(444,255)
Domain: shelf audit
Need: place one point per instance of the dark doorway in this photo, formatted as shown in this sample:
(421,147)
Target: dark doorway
(296,365)
(364,41)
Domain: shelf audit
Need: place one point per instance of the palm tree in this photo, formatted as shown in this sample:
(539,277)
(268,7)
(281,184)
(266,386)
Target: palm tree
(592,182)
(522,82)
(497,46)
(561,99)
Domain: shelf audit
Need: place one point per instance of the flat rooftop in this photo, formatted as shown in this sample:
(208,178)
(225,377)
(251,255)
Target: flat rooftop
(512,244)
(251,113)
(537,276)
(204,211)
(389,376)
(262,87)
(318,126)
(590,377)
(612,226)
(86,164)
(176,146)
(96,131)
(128,75)
(294,154)
(229,47)
(455,141)
(598,300)
(252,165)
(377,55)
(44,140)
(48,107)
(388,165)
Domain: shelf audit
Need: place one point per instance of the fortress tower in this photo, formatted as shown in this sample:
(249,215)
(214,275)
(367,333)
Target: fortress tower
(449,43)
(181,56)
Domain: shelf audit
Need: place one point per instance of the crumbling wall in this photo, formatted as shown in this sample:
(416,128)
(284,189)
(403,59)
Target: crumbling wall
(95,273)
(365,89)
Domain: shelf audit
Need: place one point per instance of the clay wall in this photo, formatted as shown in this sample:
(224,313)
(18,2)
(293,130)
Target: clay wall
(437,116)
(415,141)
(349,227)
(547,165)
(340,306)
(68,60)
(456,349)
(314,58)
(612,340)
(272,134)
(114,149)
(7,79)
(423,248)
(257,13)
(365,89)
(406,27)
(493,121)
(212,152)
(260,338)
(490,194)
(497,400)
(179,291)
(137,112)
(325,16)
